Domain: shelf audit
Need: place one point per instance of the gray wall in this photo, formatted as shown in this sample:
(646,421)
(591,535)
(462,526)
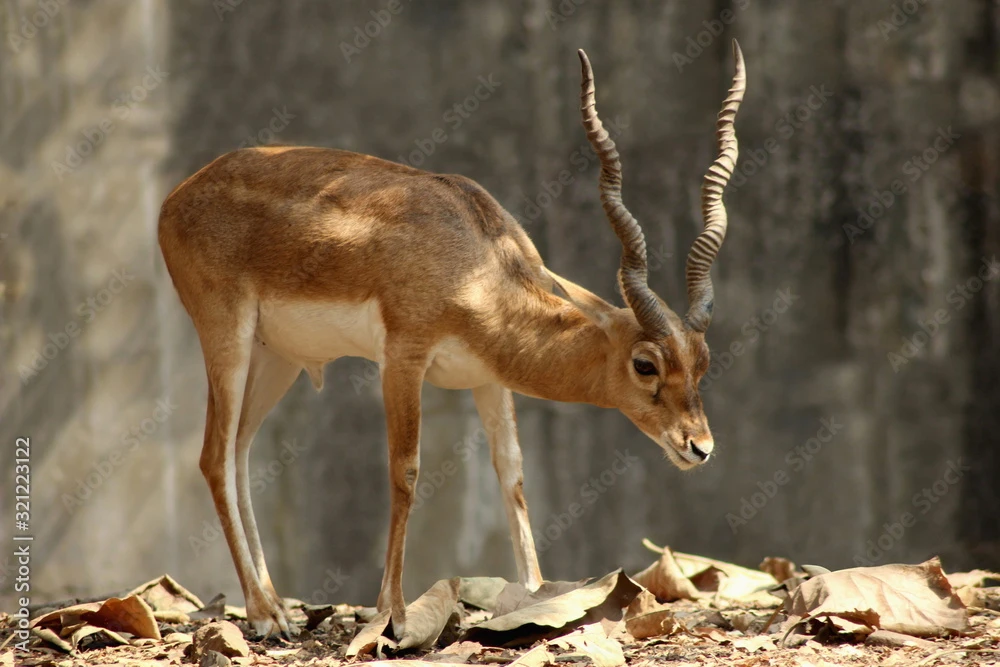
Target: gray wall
(175,84)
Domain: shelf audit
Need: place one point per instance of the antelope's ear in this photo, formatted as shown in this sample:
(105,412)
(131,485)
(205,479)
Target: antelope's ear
(594,307)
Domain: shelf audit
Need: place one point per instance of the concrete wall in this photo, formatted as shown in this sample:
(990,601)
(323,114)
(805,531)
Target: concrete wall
(107,105)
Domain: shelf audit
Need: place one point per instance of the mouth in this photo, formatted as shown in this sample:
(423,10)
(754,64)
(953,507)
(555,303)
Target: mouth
(690,456)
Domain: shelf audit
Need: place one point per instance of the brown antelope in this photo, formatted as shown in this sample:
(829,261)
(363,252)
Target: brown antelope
(287,258)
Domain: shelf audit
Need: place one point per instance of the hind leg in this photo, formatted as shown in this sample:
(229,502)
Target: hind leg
(268,380)
(223,330)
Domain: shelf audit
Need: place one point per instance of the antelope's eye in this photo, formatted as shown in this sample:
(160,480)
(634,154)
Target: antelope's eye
(644,367)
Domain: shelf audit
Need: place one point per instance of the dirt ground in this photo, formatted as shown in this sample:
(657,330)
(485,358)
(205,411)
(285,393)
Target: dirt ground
(710,640)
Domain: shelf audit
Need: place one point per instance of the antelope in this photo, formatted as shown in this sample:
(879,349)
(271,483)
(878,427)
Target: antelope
(427,275)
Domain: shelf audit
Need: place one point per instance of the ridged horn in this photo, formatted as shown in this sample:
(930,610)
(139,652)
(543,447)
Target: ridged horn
(632,273)
(704,249)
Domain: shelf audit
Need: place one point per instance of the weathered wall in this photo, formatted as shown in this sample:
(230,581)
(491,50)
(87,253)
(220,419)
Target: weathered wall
(839,106)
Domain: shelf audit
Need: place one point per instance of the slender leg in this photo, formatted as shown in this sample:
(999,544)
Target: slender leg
(227,361)
(402,377)
(269,378)
(495,405)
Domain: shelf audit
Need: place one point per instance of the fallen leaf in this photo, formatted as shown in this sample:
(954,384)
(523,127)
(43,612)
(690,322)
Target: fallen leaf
(777,567)
(971,596)
(593,643)
(897,640)
(605,598)
(131,614)
(52,638)
(536,657)
(754,644)
(515,596)
(666,581)
(65,617)
(316,614)
(653,624)
(369,637)
(217,608)
(165,594)
(709,633)
(974,578)
(644,602)
(428,615)
(705,575)
(103,636)
(464,650)
(481,592)
(426,618)
(912,599)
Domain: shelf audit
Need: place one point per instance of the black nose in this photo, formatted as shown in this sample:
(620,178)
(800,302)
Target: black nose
(697,452)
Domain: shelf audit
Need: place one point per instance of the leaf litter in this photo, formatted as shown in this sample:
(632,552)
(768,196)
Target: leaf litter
(683,609)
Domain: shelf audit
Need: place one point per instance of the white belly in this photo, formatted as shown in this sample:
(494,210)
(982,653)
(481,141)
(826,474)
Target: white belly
(311,334)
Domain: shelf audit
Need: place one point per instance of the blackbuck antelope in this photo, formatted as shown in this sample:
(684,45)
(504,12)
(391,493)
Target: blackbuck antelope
(287,258)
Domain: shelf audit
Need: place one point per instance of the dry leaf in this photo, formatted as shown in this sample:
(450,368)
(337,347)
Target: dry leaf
(165,594)
(86,630)
(754,644)
(706,632)
(515,596)
(370,635)
(464,650)
(428,615)
(644,602)
(481,592)
(777,567)
(975,578)
(132,615)
(602,599)
(706,575)
(913,599)
(593,643)
(52,638)
(653,624)
(897,640)
(536,657)
(665,580)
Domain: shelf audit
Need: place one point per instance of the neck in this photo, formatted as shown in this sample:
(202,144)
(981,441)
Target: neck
(546,348)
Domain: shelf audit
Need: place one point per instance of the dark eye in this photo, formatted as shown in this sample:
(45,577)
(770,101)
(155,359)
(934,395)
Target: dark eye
(644,367)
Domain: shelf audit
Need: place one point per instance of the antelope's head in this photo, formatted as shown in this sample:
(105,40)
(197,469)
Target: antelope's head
(658,358)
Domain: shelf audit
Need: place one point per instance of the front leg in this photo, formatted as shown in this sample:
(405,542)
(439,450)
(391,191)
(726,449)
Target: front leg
(495,405)
(402,378)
